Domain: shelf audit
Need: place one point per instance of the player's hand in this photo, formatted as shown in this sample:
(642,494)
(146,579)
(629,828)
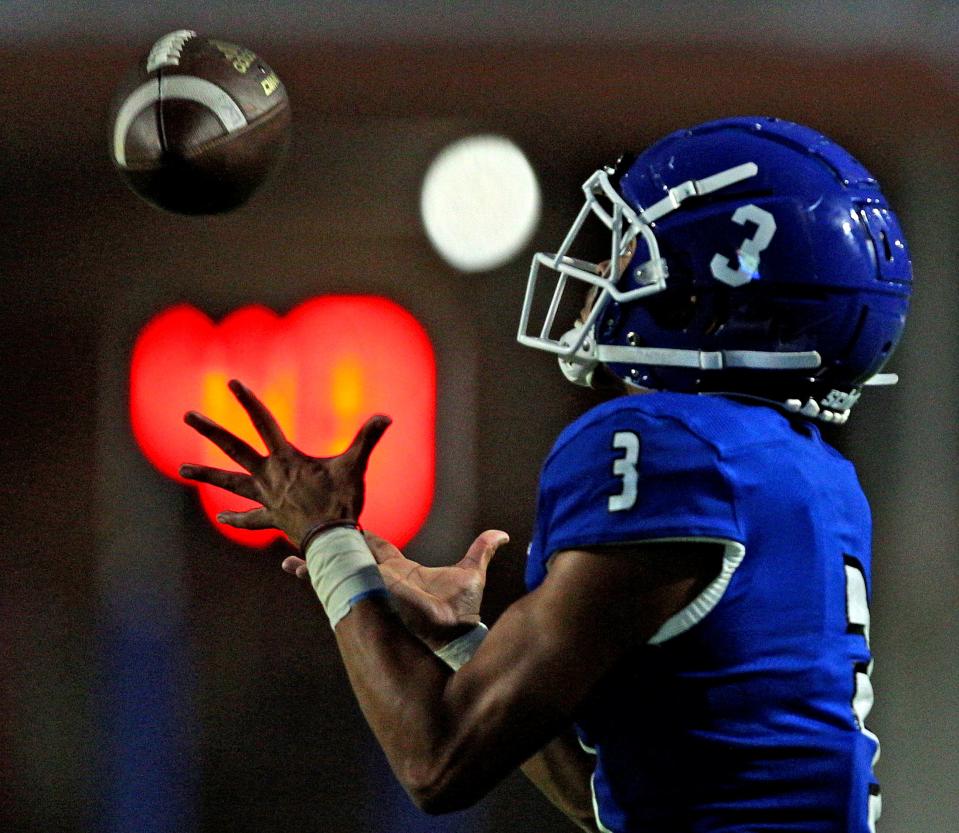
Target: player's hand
(296,491)
(435,603)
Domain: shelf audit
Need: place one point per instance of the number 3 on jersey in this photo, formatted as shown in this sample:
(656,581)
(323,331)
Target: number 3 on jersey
(625,467)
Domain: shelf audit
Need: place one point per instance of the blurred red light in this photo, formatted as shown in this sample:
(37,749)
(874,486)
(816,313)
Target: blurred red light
(323,370)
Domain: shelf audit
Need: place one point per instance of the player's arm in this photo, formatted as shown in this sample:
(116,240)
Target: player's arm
(451,737)
(437,604)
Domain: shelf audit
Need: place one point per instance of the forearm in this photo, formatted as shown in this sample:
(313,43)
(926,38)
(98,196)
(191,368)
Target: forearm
(442,733)
(451,737)
(448,737)
(562,770)
(400,687)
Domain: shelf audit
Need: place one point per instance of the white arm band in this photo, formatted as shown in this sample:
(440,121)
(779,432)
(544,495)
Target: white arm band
(459,652)
(343,571)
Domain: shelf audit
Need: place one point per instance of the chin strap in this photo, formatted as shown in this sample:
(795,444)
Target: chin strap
(707,360)
(580,365)
(580,368)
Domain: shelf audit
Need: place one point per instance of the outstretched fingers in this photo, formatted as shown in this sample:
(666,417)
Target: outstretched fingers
(239,484)
(366,439)
(264,422)
(236,449)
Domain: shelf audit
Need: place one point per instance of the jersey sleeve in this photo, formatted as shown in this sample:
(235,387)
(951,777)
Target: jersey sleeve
(626,476)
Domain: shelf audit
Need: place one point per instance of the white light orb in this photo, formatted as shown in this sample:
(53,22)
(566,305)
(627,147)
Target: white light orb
(480,202)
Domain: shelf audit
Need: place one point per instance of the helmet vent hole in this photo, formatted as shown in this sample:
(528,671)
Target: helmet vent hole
(886,347)
(886,248)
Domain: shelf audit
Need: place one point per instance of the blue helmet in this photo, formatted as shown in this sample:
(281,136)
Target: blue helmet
(748,255)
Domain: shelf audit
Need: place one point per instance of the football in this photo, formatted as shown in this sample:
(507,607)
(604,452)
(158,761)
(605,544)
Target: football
(198,124)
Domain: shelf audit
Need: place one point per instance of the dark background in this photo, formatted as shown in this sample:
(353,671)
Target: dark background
(156,677)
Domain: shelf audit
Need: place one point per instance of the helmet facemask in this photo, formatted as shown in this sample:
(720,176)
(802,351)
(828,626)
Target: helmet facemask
(574,347)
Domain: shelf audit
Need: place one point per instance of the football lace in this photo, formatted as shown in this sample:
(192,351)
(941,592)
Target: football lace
(167,50)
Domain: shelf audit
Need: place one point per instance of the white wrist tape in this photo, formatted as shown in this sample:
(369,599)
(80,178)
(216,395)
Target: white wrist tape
(342,571)
(459,652)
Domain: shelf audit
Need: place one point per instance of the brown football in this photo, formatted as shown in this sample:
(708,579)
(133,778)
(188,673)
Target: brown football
(198,124)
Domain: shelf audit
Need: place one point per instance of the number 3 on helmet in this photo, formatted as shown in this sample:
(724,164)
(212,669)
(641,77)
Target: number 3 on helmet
(767,263)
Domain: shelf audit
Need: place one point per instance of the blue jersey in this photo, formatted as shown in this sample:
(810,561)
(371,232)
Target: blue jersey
(745,711)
